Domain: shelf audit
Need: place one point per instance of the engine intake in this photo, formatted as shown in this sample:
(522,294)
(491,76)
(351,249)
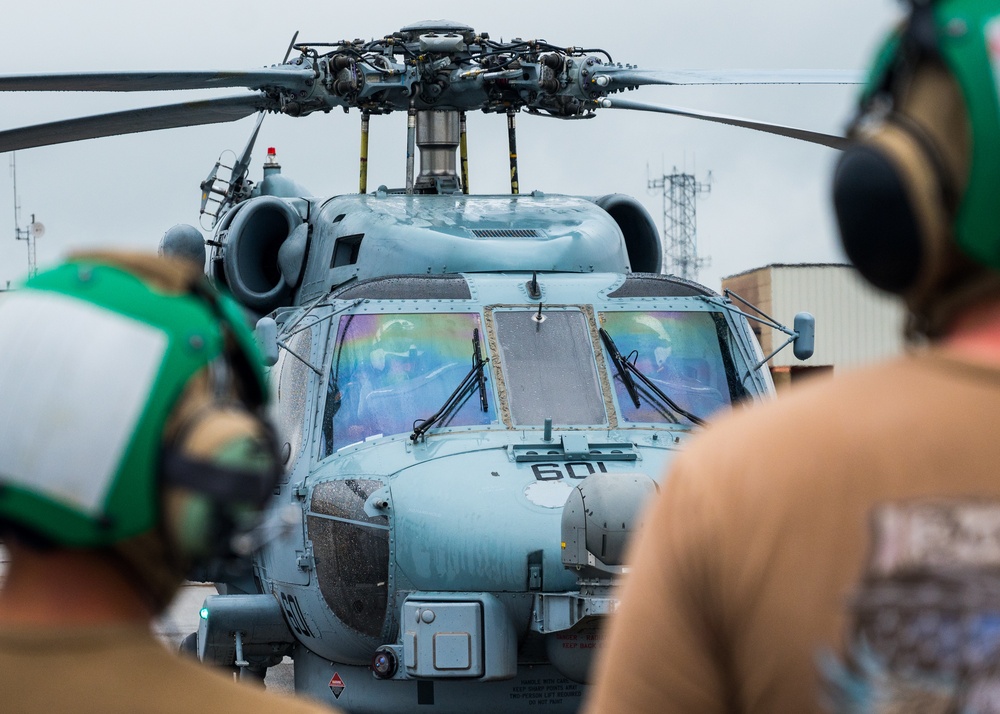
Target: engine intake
(251,262)
(642,239)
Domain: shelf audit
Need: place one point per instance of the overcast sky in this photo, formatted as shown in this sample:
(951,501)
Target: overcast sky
(769,196)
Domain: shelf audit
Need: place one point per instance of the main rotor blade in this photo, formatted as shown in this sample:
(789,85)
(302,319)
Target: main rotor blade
(834,142)
(284,78)
(211,111)
(628,77)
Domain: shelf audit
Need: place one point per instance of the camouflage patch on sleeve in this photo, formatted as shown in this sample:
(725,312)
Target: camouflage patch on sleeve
(925,621)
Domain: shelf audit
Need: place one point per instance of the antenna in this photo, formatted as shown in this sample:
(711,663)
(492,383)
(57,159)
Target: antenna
(30,233)
(680,240)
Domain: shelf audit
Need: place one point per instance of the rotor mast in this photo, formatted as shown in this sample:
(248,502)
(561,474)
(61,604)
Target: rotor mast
(438,136)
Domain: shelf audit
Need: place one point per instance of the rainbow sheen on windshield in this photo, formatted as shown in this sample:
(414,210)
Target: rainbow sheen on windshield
(681,353)
(391,371)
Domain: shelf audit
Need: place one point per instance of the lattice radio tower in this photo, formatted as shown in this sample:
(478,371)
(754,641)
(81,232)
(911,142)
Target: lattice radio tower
(680,236)
(32,231)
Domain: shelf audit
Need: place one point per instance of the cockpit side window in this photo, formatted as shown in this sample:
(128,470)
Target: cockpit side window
(390,371)
(290,382)
(685,354)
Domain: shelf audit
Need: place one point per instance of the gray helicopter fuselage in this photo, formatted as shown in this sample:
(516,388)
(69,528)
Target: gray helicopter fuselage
(440,552)
(324,244)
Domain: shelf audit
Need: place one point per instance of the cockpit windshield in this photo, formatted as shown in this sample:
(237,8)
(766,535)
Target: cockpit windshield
(549,368)
(392,370)
(684,354)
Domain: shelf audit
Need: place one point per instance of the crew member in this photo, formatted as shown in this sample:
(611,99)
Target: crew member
(133,448)
(839,549)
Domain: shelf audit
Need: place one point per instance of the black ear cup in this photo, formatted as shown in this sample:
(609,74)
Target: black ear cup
(897,189)
(895,196)
(878,225)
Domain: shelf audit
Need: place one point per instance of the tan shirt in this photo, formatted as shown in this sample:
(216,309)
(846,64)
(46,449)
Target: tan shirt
(760,536)
(111,670)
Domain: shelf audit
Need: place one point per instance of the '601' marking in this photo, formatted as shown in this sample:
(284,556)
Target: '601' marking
(574,469)
(294,614)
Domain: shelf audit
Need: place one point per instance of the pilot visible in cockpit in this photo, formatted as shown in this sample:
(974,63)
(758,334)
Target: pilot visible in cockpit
(395,355)
(405,387)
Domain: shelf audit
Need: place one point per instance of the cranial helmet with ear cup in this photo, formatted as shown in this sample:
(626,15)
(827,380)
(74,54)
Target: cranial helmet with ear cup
(130,410)
(396,338)
(917,195)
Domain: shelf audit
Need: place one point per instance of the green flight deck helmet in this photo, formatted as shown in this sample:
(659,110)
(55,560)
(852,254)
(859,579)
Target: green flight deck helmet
(131,403)
(917,195)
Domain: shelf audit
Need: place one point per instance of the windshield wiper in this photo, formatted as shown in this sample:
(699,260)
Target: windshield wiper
(478,363)
(476,378)
(622,365)
(625,371)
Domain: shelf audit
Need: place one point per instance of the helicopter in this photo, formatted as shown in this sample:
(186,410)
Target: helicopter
(475,395)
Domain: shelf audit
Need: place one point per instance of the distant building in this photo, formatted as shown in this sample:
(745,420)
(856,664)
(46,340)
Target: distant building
(855,324)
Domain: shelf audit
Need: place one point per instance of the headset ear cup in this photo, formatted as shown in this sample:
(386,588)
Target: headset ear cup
(890,201)
(189,522)
(878,226)
(222,467)
(378,359)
